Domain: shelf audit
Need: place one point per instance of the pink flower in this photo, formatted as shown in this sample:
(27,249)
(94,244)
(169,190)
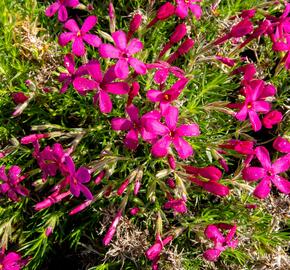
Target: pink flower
(221,242)
(269,173)
(79,36)
(166,97)
(163,71)
(207,178)
(242,147)
(50,200)
(102,84)
(123,51)
(80,207)
(11,261)
(69,77)
(272,118)
(60,7)
(11,183)
(100,177)
(134,125)
(123,187)
(171,134)
(183,6)
(171,183)
(77,179)
(255,92)
(112,229)
(282,145)
(178,205)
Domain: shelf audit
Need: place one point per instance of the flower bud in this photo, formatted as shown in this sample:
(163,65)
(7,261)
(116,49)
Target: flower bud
(135,23)
(19,97)
(100,177)
(123,187)
(112,229)
(178,34)
(171,162)
(32,138)
(272,118)
(134,211)
(282,145)
(165,11)
(80,207)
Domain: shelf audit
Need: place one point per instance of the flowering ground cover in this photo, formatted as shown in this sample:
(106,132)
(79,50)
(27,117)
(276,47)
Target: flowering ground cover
(144,134)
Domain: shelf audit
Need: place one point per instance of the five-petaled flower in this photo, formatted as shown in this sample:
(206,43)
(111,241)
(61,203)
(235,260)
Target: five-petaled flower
(172,134)
(123,52)
(77,179)
(11,261)
(79,35)
(183,6)
(221,242)
(60,7)
(269,173)
(11,183)
(102,84)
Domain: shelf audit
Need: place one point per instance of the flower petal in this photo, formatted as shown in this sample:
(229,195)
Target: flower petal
(161,147)
(3,175)
(69,63)
(133,113)
(121,124)
(117,88)
(196,10)
(62,14)
(120,39)
(122,69)
(52,9)
(255,120)
(105,102)
(72,26)
(182,9)
(134,46)
(137,65)
(65,38)
(83,175)
(242,114)
(261,106)
(78,47)
(94,69)
(154,95)
(263,188)
(86,192)
(93,40)
(182,147)
(263,156)
(154,126)
(13,174)
(82,85)
(282,145)
(253,173)
(213,233)
(108,51)
(212,254)
(161,75)
(131,140)
(188,130)
(89,23)
(281,183)
(210,172)
(282,164)
(71,3)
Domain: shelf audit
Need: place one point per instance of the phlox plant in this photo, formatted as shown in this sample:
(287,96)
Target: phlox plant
(154,122)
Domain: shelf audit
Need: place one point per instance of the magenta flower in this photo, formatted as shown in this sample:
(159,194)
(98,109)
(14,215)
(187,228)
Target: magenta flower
(60,7)
(77,179)
(178,205)
(242,147)
(272,118)
(163,71)
(183,6)
(208,178)
(102,84)
(171,134)
(50,200)
(11,261)
(269,173)
(255,92)
(221,242)
(79,36)
(112,229)
(11,183)
(166,97)
(163,13)
(73,73)
(134,125)
(123,51)
(282,145)
(225,60)
(19,97)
